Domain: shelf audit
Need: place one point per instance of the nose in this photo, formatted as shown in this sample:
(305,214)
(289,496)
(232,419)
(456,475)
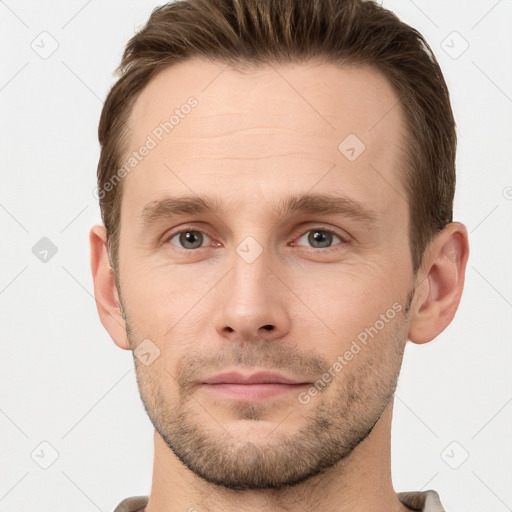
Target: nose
(253,302)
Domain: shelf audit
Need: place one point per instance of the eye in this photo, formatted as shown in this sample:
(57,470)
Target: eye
(318,238)
(321,238)
(188,239)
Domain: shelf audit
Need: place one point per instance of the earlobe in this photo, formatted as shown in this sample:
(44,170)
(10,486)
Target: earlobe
(438,295)
(105,290)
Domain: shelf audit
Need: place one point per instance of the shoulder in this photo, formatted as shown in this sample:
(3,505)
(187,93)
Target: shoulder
(132,504)
(427,501)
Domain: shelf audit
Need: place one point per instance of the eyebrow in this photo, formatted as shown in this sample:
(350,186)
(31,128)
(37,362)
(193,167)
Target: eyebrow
(311,204)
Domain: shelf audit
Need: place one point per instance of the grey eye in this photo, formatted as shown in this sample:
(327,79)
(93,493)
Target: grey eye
(320,238)
(189,239)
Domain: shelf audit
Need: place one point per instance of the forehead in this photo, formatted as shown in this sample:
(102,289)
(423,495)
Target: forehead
(341,97)
(260,129)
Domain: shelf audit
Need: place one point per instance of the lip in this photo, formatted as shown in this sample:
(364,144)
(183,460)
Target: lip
(257,386)
(255,378)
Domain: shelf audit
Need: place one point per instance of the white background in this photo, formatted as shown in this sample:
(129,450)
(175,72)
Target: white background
(64,381)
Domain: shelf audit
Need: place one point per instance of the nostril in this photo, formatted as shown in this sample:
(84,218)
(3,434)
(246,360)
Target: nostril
(268,327)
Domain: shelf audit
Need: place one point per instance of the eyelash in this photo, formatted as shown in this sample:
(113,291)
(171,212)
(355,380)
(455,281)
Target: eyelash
(342,237)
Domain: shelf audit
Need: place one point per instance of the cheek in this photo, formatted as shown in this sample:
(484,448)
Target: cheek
(158,389)
(157,297)
(348,300)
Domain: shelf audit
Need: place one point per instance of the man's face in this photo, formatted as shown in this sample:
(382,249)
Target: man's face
(312,295)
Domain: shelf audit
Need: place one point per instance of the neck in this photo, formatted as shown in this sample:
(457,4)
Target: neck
(361,482)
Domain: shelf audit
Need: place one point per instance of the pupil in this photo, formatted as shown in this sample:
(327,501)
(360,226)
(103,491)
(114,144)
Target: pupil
(188,238)
(320,237)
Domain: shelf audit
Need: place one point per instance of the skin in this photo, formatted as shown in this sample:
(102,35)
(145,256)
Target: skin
(255,137)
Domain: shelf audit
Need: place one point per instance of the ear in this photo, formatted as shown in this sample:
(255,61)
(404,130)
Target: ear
(441,283)
(105,290)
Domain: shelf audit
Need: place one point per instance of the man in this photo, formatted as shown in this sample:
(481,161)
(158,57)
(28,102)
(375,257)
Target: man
(276,182)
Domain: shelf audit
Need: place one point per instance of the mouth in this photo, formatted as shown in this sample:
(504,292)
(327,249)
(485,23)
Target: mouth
(257,386)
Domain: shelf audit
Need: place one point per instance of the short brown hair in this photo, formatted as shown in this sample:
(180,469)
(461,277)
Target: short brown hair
(259,32)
